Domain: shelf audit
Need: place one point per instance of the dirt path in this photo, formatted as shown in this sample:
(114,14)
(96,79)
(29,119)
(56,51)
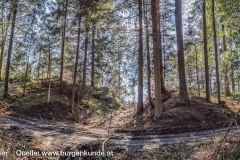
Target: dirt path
(60,135)
(54,135)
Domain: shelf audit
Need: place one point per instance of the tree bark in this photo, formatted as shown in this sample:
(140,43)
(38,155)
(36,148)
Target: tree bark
(79,85)
(233,81)
(238,87)
(227,90)
(148,54)
(140,61)
(197,71)
(119,72)
(26,74)
(183,94)
(4,36)
(38,67)
(210,80)
(216,53)
(206,53)
(39,59)
(156,50)
(49,70)
(85,59)
(15,6)
(164,51)
(93,56)
(163,89)
(76,66)
(63,45)
(189,74)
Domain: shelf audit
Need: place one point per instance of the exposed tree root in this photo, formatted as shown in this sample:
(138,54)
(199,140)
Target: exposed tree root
(106,140)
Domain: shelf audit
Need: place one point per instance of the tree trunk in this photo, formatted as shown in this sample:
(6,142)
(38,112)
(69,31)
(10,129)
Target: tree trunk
(49,70)
(119,72)
(164,53)
(63,45)
(102,79)
(210,80)
(163,89)
(39,60)
(233,81)
(210,84)
(238,87)
(206,53)
(156,50)
(203,84)
(93,56)
(183,94)
(148,54)
(25,79)
(38,67)
(42,73)
(85,60)
(4,37)
(216,53)
(197,71)
(189,74)
(15,6)
(76,66)
(79,84)
(227,90)
(26,73)
(222,77)
(140,61)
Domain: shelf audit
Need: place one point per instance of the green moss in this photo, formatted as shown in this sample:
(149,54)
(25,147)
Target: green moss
(102,100)
(94,103)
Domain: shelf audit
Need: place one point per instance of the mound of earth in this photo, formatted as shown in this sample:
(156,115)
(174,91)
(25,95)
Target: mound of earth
(102,100)
(55,111)
(97,101)
(199,115)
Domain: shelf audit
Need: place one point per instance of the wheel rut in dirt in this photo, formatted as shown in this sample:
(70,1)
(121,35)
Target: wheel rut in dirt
(63,135)
(53,135)
(154,141)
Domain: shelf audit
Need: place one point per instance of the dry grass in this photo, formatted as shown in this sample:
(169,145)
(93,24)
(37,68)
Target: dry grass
(14,138)
(202,150)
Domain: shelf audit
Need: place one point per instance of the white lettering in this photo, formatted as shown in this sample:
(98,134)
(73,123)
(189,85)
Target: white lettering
(20,153)
(3,154)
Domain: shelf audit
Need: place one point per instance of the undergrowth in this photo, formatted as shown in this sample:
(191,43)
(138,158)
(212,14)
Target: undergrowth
(98,100)
(14,138)
(102,100)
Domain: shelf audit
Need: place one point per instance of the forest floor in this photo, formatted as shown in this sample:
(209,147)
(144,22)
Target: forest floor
(191,132)
(33,134)
(199,115)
